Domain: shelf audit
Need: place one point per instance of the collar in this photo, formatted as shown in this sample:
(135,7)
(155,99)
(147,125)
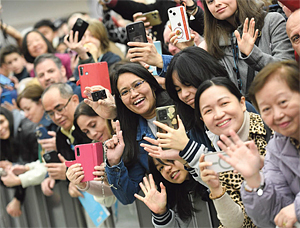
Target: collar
(68,133)
(143,129)
(243,132)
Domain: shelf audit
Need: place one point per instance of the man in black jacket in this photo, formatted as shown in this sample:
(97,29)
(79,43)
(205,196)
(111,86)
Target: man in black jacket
(60,103)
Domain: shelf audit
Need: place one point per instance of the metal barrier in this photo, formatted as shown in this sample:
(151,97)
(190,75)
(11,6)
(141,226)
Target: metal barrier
(60,210)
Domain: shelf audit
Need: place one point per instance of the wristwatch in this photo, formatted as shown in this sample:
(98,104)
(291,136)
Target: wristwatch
(260,189)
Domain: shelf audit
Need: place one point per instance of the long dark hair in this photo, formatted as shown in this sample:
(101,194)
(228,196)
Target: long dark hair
(220,81)
(178,194)
(129,120)
(85,110)
(29,58)
(214,28)
(7,145)
(193,66)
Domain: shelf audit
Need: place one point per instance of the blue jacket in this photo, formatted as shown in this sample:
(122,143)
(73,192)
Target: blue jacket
(125,182)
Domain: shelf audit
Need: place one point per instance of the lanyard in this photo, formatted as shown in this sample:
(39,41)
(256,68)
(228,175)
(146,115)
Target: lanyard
(235,53)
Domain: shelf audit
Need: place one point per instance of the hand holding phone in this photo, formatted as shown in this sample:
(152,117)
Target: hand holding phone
(51,157)
(88,155)
(80,26)
(152,17)
(42,133)
(168,116)
(179,23)
(218,164)
(92,74)
(101,94)
(136,32)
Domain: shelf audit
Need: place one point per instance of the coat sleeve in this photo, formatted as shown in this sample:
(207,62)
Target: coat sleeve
(35,175)
(274,44)
(276,195)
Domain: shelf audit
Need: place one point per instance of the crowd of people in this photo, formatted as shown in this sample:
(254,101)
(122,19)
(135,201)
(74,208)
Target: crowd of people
(235,87)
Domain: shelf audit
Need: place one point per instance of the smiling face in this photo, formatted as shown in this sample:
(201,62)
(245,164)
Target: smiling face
(89,38)
(140,97)
(33,111)
(48,73)
(172,172)
(94,127)
(222,9)
(36,44)
(186,93)
(279,107)
(221,110)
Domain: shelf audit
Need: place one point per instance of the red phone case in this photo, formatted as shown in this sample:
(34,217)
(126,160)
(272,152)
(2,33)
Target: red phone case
(93,74)
(88,155)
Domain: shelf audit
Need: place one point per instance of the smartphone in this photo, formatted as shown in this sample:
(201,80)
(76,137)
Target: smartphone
(218,164)
(51,157)
(157,45)
(179,23)
(93,74)
(2,172)
(80,26)
(153,17)
(88,155)
(101,94)
(167,115)
(136,32)
(42,133)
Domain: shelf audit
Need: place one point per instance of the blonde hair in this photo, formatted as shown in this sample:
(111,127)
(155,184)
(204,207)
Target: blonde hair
(99,31)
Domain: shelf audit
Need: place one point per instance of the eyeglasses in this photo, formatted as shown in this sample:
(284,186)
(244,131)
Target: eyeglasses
(58,110)
(125,92)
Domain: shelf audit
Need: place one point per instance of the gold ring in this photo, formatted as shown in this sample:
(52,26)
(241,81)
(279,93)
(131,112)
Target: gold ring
(284,224)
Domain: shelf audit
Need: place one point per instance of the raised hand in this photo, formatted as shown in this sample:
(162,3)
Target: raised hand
(174,138)
(156,201)
(105,108)
(115,147)
(243,156)
(180,45)
(19,169)
(247,41)
(145,53)
(156,152)
(73,44)
(10,180)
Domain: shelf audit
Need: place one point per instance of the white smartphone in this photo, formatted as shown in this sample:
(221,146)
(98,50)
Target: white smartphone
(179,23)
(218,164)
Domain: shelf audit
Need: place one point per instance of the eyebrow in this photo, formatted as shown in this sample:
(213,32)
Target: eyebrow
(217,101)
(132,83)
(54,108)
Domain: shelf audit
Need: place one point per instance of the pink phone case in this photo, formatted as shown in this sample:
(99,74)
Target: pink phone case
(91,74)
(88,155)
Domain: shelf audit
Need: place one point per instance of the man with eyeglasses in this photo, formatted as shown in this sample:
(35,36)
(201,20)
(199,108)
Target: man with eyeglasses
(48,69)
(60,103)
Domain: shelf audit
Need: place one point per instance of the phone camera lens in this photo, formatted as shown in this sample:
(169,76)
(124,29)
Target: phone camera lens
(174,14)
(47,157)
(81,70)
(170,11)
(79,22)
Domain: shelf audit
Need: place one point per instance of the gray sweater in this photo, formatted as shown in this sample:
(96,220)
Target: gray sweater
(274,45)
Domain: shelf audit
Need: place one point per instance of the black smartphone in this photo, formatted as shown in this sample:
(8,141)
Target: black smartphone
(80,26)
(101,94)
(51,157)
(42,133)
(136,32)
